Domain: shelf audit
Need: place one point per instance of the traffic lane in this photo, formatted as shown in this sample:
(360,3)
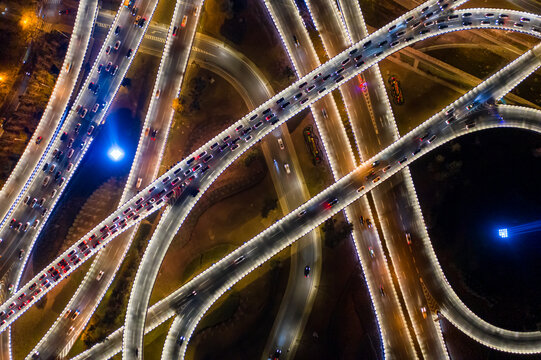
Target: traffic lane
(304,58)
(329,24)
(398,217)
(526,62)
(152,148)
(374,263)
(347,185)
(52,115)
(84,99)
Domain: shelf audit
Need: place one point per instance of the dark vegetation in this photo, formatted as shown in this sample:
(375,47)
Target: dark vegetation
(116,300)
(336,231)
(19,122)
(468,189)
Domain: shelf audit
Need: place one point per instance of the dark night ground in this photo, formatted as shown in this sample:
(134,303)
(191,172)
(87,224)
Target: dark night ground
(467,190)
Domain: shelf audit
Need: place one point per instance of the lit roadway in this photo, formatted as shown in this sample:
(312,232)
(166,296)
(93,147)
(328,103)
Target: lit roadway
(60,164)
(133,336)
(276,238)
(51,118)
(366,117)
(330,83)
(397,156)
(145,166)
(58,101)
(375,129)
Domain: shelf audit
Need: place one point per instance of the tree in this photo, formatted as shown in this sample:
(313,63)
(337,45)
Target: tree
(268,205)
(178,105)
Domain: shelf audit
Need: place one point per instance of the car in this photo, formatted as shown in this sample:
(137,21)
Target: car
(408,238)
(281,143)
(376,180)
(100,275)
(90,129)
(371,251)
(134,11)
(63,12)
(287,168)
(113,70)
(128,53)
(70,153)
(301,213)
(239,260)
(175,30)
(21,253)
(158,94)
(33,202)
(83,112)
(41,201)
(381,290)
(423,311)
(70,330)
(77,127)
(46,181)
(329,204)
(108,66)
(26,226)
(386,168)
(277,354)
(153,135)
(117,30)
(432,138)
(139,180)
(141,22)
(38,140)
(27,199)
(10,288)
(360,189)
(108,50)
(43,212)
(95,107)
(180,340)
(184,21)
(306,271)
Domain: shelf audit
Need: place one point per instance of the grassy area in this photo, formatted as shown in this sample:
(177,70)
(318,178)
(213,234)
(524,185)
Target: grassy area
(205,260)
(233,22)
(476,61)
(154,341)
(36,321)
(422,97)
(238,324)
(226,308)
(317,177)
(221,228)
(112,309)
(164,12)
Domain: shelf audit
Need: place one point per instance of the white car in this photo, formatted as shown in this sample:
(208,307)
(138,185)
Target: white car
(288,170)
(100,275)
(281,143)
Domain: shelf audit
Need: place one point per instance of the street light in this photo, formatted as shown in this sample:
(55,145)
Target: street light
(116,153)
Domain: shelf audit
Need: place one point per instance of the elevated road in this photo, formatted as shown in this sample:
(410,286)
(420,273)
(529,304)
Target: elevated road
(182,303)
(144,169)
(285,113)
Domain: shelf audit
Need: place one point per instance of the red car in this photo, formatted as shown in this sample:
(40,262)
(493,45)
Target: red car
(38,140)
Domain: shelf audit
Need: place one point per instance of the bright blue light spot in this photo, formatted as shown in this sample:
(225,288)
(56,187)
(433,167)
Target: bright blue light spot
(116,153)
(503,233)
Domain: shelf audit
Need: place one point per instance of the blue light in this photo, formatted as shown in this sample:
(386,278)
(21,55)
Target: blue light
(503,233)
(116,153)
